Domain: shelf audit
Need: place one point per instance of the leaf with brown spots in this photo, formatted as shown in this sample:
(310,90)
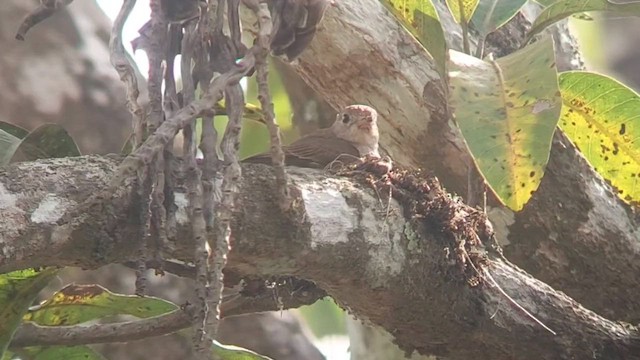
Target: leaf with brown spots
(602,118)
(76,304)
(507,110)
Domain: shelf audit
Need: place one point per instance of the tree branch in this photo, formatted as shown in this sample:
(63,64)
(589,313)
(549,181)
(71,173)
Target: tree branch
(41,13)
(253,298)
(30,334)
(384,268)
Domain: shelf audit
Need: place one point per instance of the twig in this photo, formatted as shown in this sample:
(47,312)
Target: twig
(201,339)
(170,105)
(143,192)
(209,136)
(120,61)
(232,173)
(41,13)
(234,25)
(156,52)
(126,70)
(480,47)
(30,334)
(486,273)
(176,268)
(261,10)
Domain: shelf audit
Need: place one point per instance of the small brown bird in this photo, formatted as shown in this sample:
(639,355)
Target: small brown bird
(353,135)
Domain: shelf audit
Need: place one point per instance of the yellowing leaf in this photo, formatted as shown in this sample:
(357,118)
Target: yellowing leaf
(507,111)
(462,10)
(602,118)
(422,21)
(75,304)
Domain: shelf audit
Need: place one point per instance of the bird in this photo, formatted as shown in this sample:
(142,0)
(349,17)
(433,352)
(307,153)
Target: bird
(353,135)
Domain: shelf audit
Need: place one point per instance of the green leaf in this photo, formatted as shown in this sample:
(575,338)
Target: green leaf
(492,14)
(421,19)
(18,290)
(59,352)
(14,130)
(564,8)
(230,352)
(462,10)
(602,118)
(47,141)
(79,303)
(8,145)
(507,111)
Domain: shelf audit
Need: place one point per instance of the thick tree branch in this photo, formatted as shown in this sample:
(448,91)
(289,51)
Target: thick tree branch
(386,269)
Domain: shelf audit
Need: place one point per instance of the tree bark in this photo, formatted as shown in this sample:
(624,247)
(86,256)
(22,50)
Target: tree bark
(575,234)
(387,270)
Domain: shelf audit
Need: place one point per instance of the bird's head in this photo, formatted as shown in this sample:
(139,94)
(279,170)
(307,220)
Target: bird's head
(358,124)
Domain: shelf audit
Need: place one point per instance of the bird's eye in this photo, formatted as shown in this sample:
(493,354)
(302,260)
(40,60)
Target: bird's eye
(345,118)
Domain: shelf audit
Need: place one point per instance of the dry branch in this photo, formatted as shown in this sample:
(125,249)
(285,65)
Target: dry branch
(39,14)
(263,40)
(122,63)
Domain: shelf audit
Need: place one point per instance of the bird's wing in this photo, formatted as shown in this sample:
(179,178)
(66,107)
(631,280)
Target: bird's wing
(317,149)
(320,149)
